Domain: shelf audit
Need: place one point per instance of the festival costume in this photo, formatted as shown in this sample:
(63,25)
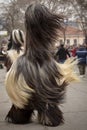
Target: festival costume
(35,80)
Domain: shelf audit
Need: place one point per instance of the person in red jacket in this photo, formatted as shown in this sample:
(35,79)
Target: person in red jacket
(73,51)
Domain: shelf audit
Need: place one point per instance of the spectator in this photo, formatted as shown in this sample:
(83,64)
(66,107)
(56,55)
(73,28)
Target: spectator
(62,54)
(82,54)
(73,51)
(1,58)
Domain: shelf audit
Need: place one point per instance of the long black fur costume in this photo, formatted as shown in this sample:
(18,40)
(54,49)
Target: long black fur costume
(36,81)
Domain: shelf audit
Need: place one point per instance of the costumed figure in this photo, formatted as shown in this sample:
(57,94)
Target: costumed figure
(35,80)
(15,47)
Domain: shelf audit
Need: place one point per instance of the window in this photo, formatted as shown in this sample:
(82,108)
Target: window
(68,41)
(61,41)
(84,40)
(75,41)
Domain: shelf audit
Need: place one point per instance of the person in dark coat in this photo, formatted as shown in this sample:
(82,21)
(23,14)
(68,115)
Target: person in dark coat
(1,58)
(62,54)
(82,55)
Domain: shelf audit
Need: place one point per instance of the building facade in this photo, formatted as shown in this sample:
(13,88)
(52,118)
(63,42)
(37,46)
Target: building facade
(73,36)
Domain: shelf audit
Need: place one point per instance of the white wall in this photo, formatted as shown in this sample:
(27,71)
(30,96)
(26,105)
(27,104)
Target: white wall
(79,39)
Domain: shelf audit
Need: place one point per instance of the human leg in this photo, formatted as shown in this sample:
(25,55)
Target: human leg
(80,69)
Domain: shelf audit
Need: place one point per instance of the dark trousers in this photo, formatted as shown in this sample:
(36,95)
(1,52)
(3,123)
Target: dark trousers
(82,68)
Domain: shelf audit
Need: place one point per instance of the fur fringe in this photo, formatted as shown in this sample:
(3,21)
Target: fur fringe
(13,54)
(68,70)
(20,92)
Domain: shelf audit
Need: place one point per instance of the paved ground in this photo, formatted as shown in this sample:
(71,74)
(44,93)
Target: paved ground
(74,109)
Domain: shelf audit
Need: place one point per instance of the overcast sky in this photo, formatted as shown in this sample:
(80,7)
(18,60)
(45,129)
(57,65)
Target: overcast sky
(3,1)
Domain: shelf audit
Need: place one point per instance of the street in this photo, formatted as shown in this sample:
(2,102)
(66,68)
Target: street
(74,108)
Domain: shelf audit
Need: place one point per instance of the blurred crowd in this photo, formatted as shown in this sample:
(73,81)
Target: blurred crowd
(60,53)
(63,52)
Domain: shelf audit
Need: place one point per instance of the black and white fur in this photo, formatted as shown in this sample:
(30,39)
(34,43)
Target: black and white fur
(15,47)
(36,81)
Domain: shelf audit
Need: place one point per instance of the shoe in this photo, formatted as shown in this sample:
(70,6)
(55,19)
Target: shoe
(81,76)
(1,67)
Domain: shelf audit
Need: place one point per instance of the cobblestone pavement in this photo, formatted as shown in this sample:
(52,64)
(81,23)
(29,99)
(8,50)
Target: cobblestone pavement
(74,108)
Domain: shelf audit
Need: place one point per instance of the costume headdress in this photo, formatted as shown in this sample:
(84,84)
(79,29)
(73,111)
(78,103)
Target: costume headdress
(15,47)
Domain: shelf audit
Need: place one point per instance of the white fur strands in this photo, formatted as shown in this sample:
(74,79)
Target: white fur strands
(13,54)
(67,70)
(19,92)
(10,56)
